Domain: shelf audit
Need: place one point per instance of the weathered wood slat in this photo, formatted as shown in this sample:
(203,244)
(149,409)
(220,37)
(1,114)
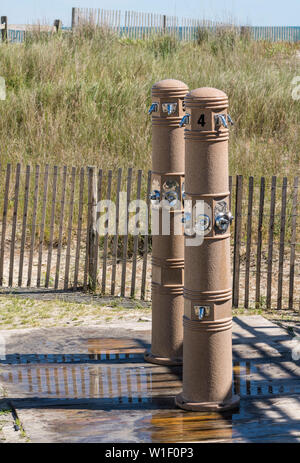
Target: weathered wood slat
(87,241)
(70,222)
(270,241)
(293,243)
(24,225)
(14,225)
(125,243)
(146,239)
(99,197)
(230,192)
(52,222)
(136,238)
(237,241)
(281,243)
(92,235)
(42,228)
(33,224)
(79,228)
(116,237)
(105,244)
(249,236)
(61,226)
(259,240)
(4,220)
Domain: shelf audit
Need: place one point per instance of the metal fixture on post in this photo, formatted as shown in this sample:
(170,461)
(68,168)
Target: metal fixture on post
(207,346)
(166,198)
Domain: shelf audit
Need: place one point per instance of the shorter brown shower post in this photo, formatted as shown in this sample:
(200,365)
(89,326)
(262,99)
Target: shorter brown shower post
(207,341)
(167,245)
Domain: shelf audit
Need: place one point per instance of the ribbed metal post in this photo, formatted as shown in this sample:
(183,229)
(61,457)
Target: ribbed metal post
(168,245)
(207,345)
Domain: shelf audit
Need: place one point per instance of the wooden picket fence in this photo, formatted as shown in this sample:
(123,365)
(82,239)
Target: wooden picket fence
(49,239)
(138,25)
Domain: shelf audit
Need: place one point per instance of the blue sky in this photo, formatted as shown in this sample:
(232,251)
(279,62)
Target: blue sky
(253,12)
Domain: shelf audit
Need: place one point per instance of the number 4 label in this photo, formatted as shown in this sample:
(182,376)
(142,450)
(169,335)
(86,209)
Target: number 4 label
(201,120)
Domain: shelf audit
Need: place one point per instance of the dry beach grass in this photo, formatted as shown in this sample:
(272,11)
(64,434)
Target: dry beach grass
(82,99)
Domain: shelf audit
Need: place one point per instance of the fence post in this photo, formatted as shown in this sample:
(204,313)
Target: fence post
(74,11)
(57,24)
(4,32)
(164,23)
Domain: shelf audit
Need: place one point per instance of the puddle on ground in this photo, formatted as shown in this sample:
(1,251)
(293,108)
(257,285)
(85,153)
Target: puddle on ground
(115,385)
(116,382)
(121,384)
(179,426)
(98,350)
(111,376)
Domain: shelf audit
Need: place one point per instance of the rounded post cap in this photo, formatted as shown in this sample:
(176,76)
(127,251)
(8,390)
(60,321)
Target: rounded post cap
(169,83)
(169,87)
(207,97)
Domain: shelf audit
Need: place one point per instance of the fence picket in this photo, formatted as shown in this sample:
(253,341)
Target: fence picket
(281,243)
(105,244)
(50,247)
(259,239)
(146,239)
(125,244)
(24,225)
(14,225)
(97,212)
(249,236)
(87,241)
(270,246)
(293,242)
(70,221)
(136,237)
(4,221)
(230,192)
(79,228)
(92,230)
(116,237)
(33,224)
(237,239)
(61,226)
(42,228)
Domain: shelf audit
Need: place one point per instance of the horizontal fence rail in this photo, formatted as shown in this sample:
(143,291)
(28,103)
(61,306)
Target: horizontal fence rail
(138,25)
(48,237)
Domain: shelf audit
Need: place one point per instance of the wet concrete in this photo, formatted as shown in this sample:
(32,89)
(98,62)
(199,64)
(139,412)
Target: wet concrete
(103,391)
(131,383)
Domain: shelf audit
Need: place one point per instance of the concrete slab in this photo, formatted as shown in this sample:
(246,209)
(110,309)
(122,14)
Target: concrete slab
(91,385)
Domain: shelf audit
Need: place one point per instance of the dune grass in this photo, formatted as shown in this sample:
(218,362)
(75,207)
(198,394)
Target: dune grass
(82,99)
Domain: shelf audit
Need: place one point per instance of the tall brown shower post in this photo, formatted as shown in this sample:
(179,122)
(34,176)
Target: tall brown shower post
(167,110)
(207,345)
